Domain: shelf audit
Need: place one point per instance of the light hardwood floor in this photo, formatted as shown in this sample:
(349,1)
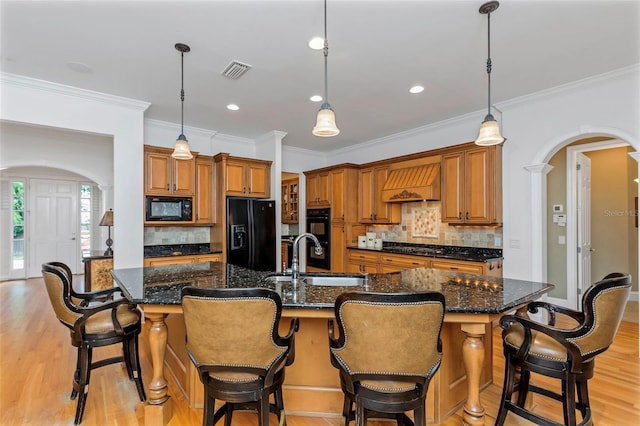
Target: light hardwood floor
(37,363)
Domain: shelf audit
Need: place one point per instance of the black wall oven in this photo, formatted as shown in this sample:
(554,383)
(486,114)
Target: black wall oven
(318,223)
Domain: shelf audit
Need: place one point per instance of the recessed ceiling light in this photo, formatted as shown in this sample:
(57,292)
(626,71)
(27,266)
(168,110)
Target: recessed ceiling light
(416,89)
(316,43)
(315,98)
(233,107)
(80,67)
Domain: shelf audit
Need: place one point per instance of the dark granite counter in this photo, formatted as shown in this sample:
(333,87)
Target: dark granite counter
(178,250)
(465,293)
(473,254)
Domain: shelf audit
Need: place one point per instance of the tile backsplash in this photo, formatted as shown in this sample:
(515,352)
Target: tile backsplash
(162,235)
(421,225)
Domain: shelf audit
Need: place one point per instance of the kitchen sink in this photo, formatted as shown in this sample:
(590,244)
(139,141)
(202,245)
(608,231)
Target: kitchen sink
(334,281)
(323,280)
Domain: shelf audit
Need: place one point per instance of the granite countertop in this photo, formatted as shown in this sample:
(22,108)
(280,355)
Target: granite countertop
(465,293)
(178,250)
(473,254)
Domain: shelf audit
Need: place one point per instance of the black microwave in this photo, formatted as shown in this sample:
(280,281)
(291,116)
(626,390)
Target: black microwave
(169,209)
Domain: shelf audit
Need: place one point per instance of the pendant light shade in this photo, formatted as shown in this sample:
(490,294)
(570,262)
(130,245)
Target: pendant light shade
(181,149)
(326,120)
(489,133)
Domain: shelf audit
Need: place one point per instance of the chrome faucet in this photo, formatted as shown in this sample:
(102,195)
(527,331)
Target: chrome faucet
(294,258)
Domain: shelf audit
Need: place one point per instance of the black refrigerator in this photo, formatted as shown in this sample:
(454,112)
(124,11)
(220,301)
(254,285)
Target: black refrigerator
(251,233)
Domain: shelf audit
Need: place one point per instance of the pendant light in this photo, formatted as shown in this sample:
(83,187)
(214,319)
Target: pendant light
(326,121)
(181,150)
(489,130)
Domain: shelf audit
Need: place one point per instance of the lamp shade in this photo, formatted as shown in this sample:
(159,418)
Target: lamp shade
(181,150)
(107,218)
(489,133)
(326,123)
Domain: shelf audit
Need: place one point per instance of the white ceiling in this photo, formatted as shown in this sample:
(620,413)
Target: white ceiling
(377,50)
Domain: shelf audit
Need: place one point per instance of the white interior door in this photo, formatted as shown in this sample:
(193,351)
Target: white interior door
(583,167)
(53,224)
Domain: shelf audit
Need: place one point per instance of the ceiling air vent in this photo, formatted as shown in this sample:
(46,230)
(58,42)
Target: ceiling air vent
(235,70)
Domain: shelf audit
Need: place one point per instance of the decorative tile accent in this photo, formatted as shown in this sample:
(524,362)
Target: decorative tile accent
(425,223)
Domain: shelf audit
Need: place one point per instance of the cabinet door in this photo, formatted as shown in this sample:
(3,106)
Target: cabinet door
(383,212)
(461,266)
(452,188)
(337,195)
(338,247)
(183,177)
(236,184)
(324,189)
(366,195)
(208,258)
(204,191)
(175,260)
(157,173)
(258,180)
(477,183)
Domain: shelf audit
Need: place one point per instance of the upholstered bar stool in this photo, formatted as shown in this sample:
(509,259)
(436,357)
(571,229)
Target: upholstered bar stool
(95,319)
(233,340)
(387,351)
(564,354)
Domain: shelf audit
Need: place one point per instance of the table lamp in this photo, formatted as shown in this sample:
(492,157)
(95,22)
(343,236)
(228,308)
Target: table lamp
(107,220)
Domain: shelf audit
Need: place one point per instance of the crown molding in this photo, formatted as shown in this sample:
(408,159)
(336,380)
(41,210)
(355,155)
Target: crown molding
(7,79)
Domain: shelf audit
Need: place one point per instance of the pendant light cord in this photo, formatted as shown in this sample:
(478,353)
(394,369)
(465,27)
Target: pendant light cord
(489,63)
(182,93)
(326,54)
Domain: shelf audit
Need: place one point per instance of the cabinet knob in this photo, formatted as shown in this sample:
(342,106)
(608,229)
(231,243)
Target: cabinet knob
(460,215)
(249,190)
(244,189)
(467,217)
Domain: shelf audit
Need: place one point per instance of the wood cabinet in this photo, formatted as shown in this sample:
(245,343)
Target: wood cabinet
(344,186)
(318,189)
(472,186)
(164,175)
(371,208)
(246,177)
(204,190)
(493,268)
(180,260)
(390,262)
(362,261)
(97,272)
(290,196)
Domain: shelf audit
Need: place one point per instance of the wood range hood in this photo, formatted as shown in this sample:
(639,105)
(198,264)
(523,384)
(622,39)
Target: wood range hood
(420,182)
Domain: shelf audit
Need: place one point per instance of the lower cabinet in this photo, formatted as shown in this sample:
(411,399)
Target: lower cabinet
(367,261)
(492,269)
(400,262)
(179,260)
(362,261)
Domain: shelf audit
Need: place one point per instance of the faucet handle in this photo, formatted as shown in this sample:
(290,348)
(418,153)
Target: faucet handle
(318,250)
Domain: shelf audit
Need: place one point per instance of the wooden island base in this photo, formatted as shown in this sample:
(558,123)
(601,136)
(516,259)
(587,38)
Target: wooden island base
(312,385)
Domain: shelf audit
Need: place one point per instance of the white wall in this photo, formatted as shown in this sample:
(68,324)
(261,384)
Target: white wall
(25,100)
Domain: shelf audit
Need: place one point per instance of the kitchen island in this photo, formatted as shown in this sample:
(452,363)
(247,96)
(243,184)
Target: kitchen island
(473,304)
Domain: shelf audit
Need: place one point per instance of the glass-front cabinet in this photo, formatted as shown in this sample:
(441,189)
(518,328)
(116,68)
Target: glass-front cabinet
(290,200)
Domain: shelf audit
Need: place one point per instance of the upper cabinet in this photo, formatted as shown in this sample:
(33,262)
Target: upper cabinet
(164,175)
(290,194)
(204,190)
(472,186)
(344,184)
(318,189)
(371,208)
(245,177)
